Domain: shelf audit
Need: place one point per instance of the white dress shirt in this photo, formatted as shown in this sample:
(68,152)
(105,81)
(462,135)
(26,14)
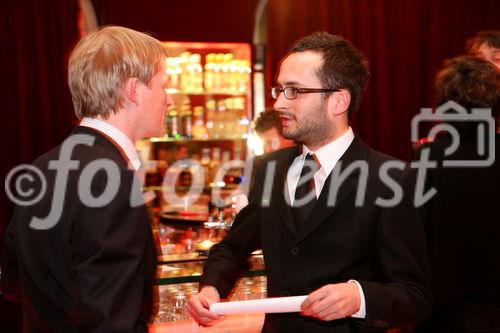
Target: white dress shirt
(120,138)
(327,156)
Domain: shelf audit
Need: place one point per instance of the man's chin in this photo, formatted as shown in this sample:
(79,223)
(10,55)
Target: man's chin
(288,135)
(156,134)
(160,133)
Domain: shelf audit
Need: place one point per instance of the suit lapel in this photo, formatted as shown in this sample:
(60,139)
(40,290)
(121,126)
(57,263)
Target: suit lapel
(280,194)
(357,151)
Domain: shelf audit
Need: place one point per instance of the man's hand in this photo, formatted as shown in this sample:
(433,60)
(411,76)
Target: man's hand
(333,301)
(199,305)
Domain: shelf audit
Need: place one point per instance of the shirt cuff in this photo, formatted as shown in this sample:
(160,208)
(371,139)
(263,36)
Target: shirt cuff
(361,313)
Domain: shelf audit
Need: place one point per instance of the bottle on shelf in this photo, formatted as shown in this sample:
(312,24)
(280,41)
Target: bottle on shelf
(241,126)
(186,117)
(185,77)
(214,163)
(226,156)
(218,76)
(235,175)
(199,130)
(209,72)
(174,72)
(230,119)
(245,71)
(205,164)
(211,121)
(220,120)
(225,85)
(195,74)
(173,124)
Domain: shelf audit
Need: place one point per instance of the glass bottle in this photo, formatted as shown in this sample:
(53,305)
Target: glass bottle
(205,164)
(199,129)
(214,163)
(211,123)
(173,122)
(209,72)
(220,120)
(186,117)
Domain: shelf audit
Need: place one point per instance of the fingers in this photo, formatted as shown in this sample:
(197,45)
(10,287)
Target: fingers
(331,302)
(315,301)
(198,308)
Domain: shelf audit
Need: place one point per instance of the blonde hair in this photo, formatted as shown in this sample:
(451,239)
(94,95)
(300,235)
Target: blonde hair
(101,63)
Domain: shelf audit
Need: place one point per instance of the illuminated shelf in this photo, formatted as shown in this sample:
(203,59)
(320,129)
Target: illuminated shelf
(222,186)
(173,91)
(184,140)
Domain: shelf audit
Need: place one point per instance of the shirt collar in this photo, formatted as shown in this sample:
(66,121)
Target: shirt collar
(121,139)
(330,154)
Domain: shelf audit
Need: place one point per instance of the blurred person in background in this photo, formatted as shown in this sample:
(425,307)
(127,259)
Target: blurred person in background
(268,128)
(486,45)
(462,218)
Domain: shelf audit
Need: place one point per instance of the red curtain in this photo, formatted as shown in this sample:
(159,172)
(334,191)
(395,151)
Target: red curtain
(37,113)
(405,42)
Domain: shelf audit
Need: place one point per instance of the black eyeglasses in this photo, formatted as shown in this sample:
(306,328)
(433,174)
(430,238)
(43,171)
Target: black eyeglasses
(293,92)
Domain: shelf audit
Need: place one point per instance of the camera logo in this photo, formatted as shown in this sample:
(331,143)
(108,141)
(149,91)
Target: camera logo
(453,118)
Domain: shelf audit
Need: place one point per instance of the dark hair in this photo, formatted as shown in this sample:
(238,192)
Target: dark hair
(490,38)
(344,67)
(471,82)
(267,120)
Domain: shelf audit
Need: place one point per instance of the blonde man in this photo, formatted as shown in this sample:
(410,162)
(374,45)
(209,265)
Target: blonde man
(82,258)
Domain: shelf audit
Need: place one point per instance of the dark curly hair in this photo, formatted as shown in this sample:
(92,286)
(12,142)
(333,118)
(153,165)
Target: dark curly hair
(472,82)
(267,120)
(344,67)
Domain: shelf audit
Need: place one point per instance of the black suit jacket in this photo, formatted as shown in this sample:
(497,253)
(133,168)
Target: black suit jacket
(94,270)
(382,248)
(462,222)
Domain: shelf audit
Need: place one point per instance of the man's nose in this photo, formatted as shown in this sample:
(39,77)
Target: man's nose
(280,101)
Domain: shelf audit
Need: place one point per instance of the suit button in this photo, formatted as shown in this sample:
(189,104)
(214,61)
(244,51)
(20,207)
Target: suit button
(285,293)
(295,250)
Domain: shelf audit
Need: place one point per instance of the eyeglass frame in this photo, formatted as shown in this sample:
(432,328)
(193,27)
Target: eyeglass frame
(298,91)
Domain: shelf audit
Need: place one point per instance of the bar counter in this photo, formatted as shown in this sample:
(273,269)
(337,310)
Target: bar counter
(245,323)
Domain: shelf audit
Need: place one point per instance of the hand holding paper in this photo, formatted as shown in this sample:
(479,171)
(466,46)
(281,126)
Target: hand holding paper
(268,305)
(199,304)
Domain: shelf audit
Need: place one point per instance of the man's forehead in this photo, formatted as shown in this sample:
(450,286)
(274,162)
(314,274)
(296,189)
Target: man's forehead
(311,58)
(487,49)
(298,67)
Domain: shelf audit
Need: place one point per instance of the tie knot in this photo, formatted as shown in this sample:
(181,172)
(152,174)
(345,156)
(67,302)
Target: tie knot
(311,163)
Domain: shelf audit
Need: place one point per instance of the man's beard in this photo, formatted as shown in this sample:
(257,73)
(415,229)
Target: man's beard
(310,130)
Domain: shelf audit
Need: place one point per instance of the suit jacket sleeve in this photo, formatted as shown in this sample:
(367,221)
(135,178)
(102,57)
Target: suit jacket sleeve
(228,259)
(109,262)
(404,298)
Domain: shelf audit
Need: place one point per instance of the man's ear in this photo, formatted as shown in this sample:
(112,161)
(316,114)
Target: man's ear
(131,90)
(340,101)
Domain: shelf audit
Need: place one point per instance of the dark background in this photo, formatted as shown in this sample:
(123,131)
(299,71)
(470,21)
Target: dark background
(405,42)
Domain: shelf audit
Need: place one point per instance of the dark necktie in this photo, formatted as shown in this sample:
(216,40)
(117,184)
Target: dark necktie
(304,187)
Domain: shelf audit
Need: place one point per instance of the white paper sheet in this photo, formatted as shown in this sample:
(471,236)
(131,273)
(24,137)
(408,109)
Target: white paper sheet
(267,305)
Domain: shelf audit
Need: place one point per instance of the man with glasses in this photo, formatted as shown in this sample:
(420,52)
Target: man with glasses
(361,265)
